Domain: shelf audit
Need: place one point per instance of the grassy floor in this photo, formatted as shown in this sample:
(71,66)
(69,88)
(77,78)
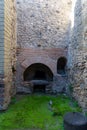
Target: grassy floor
(34,113)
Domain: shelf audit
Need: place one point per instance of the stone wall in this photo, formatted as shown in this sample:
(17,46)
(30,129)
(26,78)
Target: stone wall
(8,53)
(42,34)
(43,23)
(78,52)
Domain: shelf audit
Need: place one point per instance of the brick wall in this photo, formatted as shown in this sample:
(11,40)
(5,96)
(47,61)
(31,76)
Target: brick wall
(27,57)
(1,52)
(9,44)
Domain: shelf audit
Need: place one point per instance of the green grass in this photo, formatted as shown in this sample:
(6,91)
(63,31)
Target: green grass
(34,113)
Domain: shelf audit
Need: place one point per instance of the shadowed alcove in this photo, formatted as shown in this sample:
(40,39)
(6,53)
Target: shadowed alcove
(61,65)
(40,75)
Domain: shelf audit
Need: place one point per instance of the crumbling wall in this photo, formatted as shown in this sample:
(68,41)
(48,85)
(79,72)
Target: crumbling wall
(42,34)
(43,23)
(78,52)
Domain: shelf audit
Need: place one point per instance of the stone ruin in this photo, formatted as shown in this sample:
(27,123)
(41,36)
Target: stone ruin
(43,48)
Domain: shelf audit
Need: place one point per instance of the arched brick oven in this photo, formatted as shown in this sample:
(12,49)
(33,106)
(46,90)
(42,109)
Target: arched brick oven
(39,75)
(38,71)
(37,67)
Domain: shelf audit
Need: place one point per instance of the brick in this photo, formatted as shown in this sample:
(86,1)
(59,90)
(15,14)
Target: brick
(7,42)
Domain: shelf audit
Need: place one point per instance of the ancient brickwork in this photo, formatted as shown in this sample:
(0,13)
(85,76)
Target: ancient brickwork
(27,57)
(43,23)
(42,35)
(1,36)
(1,53)
(8,48)
(77,49)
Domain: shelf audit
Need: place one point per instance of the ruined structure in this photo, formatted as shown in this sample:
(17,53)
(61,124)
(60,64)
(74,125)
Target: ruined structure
(50,48)
(42,39)
(78,51)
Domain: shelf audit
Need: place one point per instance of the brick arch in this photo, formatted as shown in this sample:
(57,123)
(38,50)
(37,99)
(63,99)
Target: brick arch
(43,60)
(38,71)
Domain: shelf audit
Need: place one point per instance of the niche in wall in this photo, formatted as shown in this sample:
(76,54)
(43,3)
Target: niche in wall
(61,65)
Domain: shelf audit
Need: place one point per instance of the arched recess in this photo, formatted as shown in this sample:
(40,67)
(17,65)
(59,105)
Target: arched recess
(38,71)
(50,63)
(61,65)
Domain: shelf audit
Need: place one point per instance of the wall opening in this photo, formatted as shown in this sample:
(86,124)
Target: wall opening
(61,65)
(38,71)
(40,75)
